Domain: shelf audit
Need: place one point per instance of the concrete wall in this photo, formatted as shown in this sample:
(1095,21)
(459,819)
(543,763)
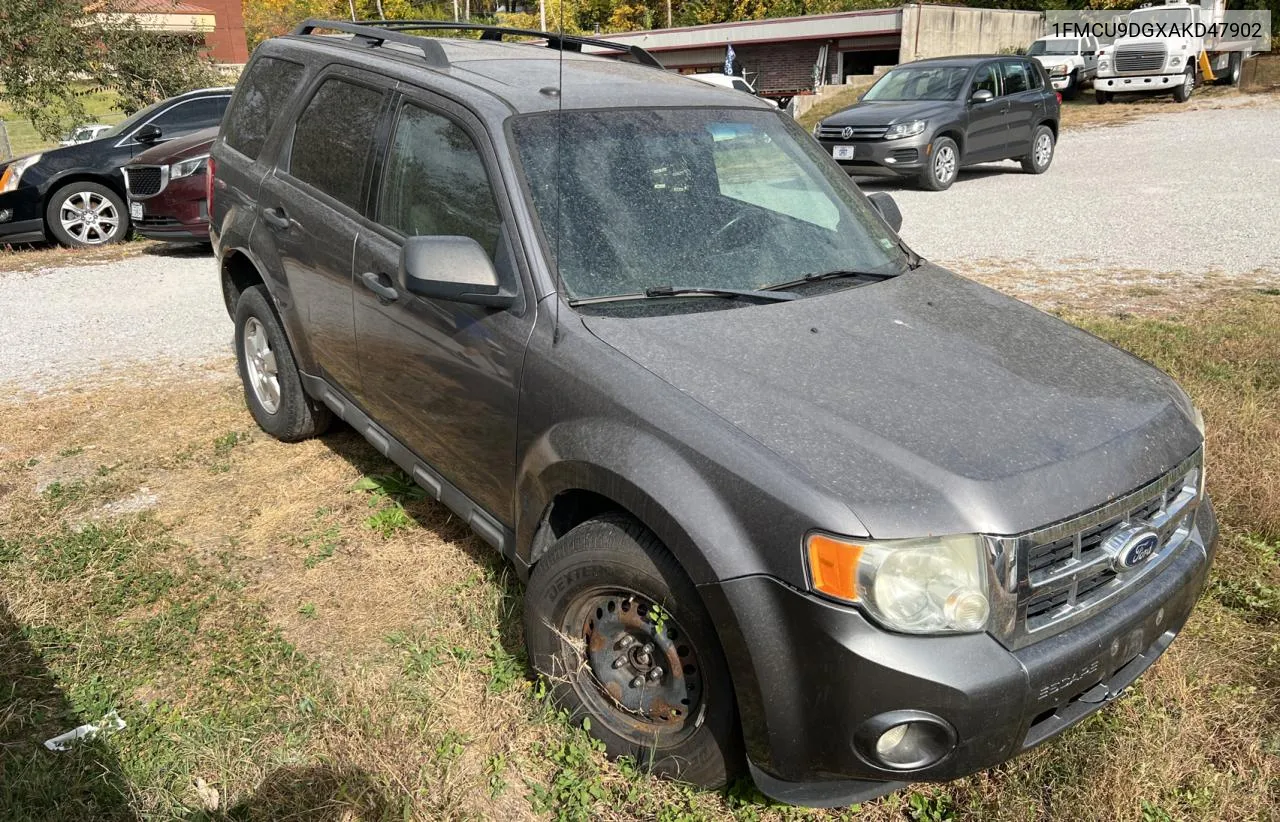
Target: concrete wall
(940,31)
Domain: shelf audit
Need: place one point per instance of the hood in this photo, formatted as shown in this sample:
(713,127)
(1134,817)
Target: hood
(179,148)
(873,113)
(928,403)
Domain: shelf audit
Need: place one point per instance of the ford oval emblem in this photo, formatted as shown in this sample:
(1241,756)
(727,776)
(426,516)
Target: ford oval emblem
(847,133)
(1131,547)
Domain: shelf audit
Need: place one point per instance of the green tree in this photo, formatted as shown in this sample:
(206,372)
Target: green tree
(56,51)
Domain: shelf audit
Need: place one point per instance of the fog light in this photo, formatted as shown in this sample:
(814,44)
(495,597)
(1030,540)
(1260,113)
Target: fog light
(904,740)
(6,214)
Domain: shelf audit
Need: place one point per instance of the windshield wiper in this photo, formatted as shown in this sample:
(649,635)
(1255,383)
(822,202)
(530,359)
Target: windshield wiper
(829,275)
(662,291)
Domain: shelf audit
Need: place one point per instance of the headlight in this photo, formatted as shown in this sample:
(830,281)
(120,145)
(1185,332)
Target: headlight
(187,167)
(13,172)
(1174,61)
(911,129)
(1104,63)
(817,127)
(919,586)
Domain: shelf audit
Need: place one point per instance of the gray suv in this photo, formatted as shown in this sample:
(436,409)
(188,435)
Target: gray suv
(788,499)
(925,120)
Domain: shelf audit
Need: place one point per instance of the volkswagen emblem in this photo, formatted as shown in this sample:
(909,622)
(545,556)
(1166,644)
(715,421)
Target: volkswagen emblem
(1131,546)
(847,133)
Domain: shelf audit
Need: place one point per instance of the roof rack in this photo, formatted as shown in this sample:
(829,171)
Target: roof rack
(431,50)
(377,31)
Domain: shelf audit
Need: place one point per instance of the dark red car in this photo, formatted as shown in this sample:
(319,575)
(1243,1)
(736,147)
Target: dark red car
(166,186)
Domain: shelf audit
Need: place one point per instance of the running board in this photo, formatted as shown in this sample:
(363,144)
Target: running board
(439,488)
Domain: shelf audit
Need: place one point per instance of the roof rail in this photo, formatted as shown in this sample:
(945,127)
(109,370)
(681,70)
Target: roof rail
(431,50)
(564,42)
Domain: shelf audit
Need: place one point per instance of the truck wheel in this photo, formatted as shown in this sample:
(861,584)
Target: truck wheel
(944,164)
(1102,97)
(1073,86)
(272,385)
(84,214)
(621,636)
(1041,155)
(1234,64)
(1183,92)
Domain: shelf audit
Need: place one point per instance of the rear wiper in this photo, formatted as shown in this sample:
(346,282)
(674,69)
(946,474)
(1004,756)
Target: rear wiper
(829,275)
(661,291)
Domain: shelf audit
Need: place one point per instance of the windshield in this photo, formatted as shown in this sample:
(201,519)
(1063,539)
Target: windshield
(711,198)
(920,83)
(1160,17)
(129,123)
(1054,47)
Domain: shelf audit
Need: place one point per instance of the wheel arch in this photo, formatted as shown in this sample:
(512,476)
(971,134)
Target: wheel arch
(238,271)
(955,133)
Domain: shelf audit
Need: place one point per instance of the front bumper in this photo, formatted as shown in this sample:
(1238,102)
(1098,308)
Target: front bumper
(1060,83)
(21,216)
(808,674)
(903,157)
(178,213)
(1153,82)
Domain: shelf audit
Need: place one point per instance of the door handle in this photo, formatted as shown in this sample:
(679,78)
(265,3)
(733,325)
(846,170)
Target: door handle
(1005,109)
(374,283)
(276,218)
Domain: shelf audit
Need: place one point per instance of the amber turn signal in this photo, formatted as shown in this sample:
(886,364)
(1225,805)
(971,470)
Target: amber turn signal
(833,567)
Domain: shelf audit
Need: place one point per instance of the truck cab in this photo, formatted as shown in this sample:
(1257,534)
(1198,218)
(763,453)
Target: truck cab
(1069,61)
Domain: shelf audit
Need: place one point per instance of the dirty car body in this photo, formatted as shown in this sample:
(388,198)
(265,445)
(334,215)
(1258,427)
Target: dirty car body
(892,411)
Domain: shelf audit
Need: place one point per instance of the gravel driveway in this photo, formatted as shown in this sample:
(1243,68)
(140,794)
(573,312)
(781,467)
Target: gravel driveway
(1194,191)
(1191,193)
(63,325)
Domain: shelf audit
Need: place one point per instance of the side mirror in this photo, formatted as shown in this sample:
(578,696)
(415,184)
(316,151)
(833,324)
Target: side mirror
(452,268)
(982,95)
(147,134)
(888,209)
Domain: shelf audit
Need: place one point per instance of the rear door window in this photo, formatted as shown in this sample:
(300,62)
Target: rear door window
(260,96)
(1017,77)
(332,139)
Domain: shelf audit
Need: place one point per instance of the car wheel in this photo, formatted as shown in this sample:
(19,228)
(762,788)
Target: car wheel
(84,214)
(1183,92)
(272,385)
(1101,97)
(1041,155)
(621,636)
(1234,67)
(943,166)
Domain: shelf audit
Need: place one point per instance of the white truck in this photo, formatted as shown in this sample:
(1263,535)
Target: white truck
(1071,62)
(1170,56)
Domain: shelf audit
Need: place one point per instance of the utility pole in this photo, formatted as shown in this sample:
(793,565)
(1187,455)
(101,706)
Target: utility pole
(668,13)
(455,11)
(542,14)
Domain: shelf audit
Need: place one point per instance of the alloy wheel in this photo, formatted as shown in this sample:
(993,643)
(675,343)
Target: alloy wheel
(89,217)
(1043,150)
(260,365)
(944,164)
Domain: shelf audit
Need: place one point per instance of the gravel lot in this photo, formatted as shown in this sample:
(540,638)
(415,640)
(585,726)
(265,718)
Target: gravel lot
(62,325)
(1188,192)
(1191,195)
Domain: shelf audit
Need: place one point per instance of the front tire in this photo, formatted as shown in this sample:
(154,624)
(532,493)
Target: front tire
(85,215)
(621,634)
(1041,155)
(1183,92)
(1073,86)
(272,384)
(1102,97)
(943,166)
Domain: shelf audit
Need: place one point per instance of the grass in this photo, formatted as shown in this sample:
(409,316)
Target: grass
(275,654)
(836,102)
(100,107)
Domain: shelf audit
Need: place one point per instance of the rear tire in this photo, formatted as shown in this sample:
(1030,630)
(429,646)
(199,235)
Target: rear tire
(1041,155)
(589,616)
(943,166)
(1235,63)
(272,384)
(1183,93)
(86,215)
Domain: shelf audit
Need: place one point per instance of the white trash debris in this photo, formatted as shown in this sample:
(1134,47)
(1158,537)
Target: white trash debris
(110,723)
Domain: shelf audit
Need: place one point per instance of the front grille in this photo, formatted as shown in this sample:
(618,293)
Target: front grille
(856,133)
(158,222)
(1067,571)
(144,181)
(1140,59)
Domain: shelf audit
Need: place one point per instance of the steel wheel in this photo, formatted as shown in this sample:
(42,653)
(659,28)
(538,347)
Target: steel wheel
(89,217)
(260,363)
(641,676)
(1043,150)
(944,164)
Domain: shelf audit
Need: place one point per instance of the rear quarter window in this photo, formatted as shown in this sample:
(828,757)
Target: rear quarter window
(264,90)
